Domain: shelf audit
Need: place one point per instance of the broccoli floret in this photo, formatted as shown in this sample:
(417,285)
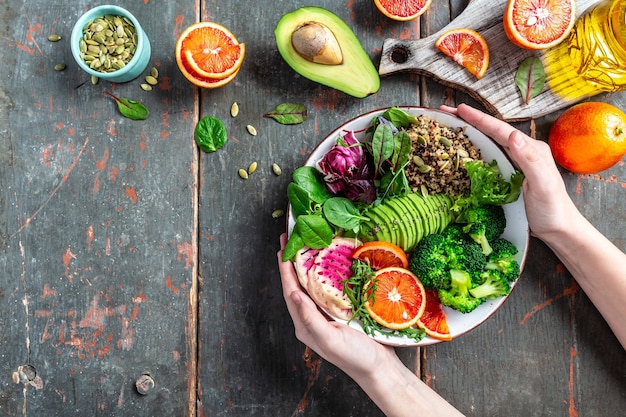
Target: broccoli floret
(458,296)
(502,259)
(429,261)
(466,256)
(495,284)
(454,232)
(483,224)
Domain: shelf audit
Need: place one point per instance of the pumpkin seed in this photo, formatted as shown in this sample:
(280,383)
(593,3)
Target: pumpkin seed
(94,80)
(418,161)
(424,190)
(146,87)
(277,213)
(252,167)
(154,72)
(243,173)
(421,140)
(251,130)
(276,169)
(445,141)
(234,109)
(151,80)
(54,38)
(59,67)
(425,169)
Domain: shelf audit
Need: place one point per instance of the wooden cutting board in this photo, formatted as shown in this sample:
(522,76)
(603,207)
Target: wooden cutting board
(496,90)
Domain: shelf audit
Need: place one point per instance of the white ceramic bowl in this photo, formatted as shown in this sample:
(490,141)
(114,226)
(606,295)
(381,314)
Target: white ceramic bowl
(517,230)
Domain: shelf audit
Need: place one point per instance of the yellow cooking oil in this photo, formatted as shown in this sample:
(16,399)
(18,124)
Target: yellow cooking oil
(593,58)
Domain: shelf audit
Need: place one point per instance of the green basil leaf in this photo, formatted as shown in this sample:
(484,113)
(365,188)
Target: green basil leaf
(310,179)
(314,230)
(210,134)
(299,199)
(288,113)
(530,78)
(130,108)
(342,213)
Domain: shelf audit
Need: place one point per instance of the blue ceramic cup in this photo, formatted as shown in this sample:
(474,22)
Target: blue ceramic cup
(134,67)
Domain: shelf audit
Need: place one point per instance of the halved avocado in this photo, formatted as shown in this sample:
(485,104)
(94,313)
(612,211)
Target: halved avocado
(351,72)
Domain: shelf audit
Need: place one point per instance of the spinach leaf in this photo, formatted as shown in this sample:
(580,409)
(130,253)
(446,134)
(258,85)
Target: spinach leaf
(294,244)
(210,134)
(314,230)
(343,213)
(299,199)
(382,146)
(310,180)
(288,113)
(399,117)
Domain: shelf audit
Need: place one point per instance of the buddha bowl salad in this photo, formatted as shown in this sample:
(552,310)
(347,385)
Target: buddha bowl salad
(419,185)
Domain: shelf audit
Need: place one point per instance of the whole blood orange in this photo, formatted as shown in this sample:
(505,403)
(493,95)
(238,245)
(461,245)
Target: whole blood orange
(380,254)
(395,298)
(538,24)
(467,47)
(208,54)
(402,9)
(588,137)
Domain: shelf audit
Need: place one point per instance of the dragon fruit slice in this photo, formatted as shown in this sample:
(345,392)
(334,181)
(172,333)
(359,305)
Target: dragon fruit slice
(330,267)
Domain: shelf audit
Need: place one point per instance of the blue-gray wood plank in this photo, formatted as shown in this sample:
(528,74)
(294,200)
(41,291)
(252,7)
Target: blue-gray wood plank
(123,250)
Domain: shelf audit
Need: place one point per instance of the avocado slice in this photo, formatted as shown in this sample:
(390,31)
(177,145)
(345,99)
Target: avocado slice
(407,227)
(352,72)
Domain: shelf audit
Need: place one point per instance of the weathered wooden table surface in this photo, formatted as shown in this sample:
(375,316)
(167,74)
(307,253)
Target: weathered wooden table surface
(124,251)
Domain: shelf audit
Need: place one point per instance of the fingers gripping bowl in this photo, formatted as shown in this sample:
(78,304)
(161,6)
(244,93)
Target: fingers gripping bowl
(516,230)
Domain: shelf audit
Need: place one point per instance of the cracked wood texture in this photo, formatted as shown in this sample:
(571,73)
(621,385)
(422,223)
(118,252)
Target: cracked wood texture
(125,251)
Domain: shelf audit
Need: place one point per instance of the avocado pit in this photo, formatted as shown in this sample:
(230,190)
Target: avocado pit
(317,43)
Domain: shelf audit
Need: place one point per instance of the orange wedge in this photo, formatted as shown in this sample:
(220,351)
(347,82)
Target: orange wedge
(381,254)
(467,47)
(434,321)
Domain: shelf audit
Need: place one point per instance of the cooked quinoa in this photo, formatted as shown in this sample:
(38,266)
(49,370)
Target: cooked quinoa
(438,154)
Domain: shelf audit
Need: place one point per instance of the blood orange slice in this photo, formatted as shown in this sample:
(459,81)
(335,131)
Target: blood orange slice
(381,254)
(467,47)
(208,54)
(396,298)
(402,9)
(433,321)
(538,24)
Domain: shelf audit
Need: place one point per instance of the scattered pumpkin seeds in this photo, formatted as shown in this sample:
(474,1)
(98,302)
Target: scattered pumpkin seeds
(154,72)
(252,167)
(54,38)
(59,67)
(243,173)
(94,79)
(234,109)
(151,80)
(146,87)
(251,130)
(276,169)
(277,213)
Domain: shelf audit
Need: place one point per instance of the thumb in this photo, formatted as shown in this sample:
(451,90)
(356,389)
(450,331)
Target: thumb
(523,153)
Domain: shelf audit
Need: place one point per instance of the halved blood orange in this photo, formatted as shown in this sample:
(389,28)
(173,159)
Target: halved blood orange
(538,24)
(208,54)
(380,254)
(398,298)
(402,9)
(434,321)
(467,47)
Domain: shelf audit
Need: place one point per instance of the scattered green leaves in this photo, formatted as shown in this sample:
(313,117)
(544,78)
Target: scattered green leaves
(210,134)
(288,113)
(530,78)
(130,108)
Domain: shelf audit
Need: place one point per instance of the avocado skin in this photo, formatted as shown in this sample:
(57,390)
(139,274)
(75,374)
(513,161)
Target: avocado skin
(356,76)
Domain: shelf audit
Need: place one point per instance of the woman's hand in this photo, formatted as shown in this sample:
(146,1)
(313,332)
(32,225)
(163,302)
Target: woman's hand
(549,208)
